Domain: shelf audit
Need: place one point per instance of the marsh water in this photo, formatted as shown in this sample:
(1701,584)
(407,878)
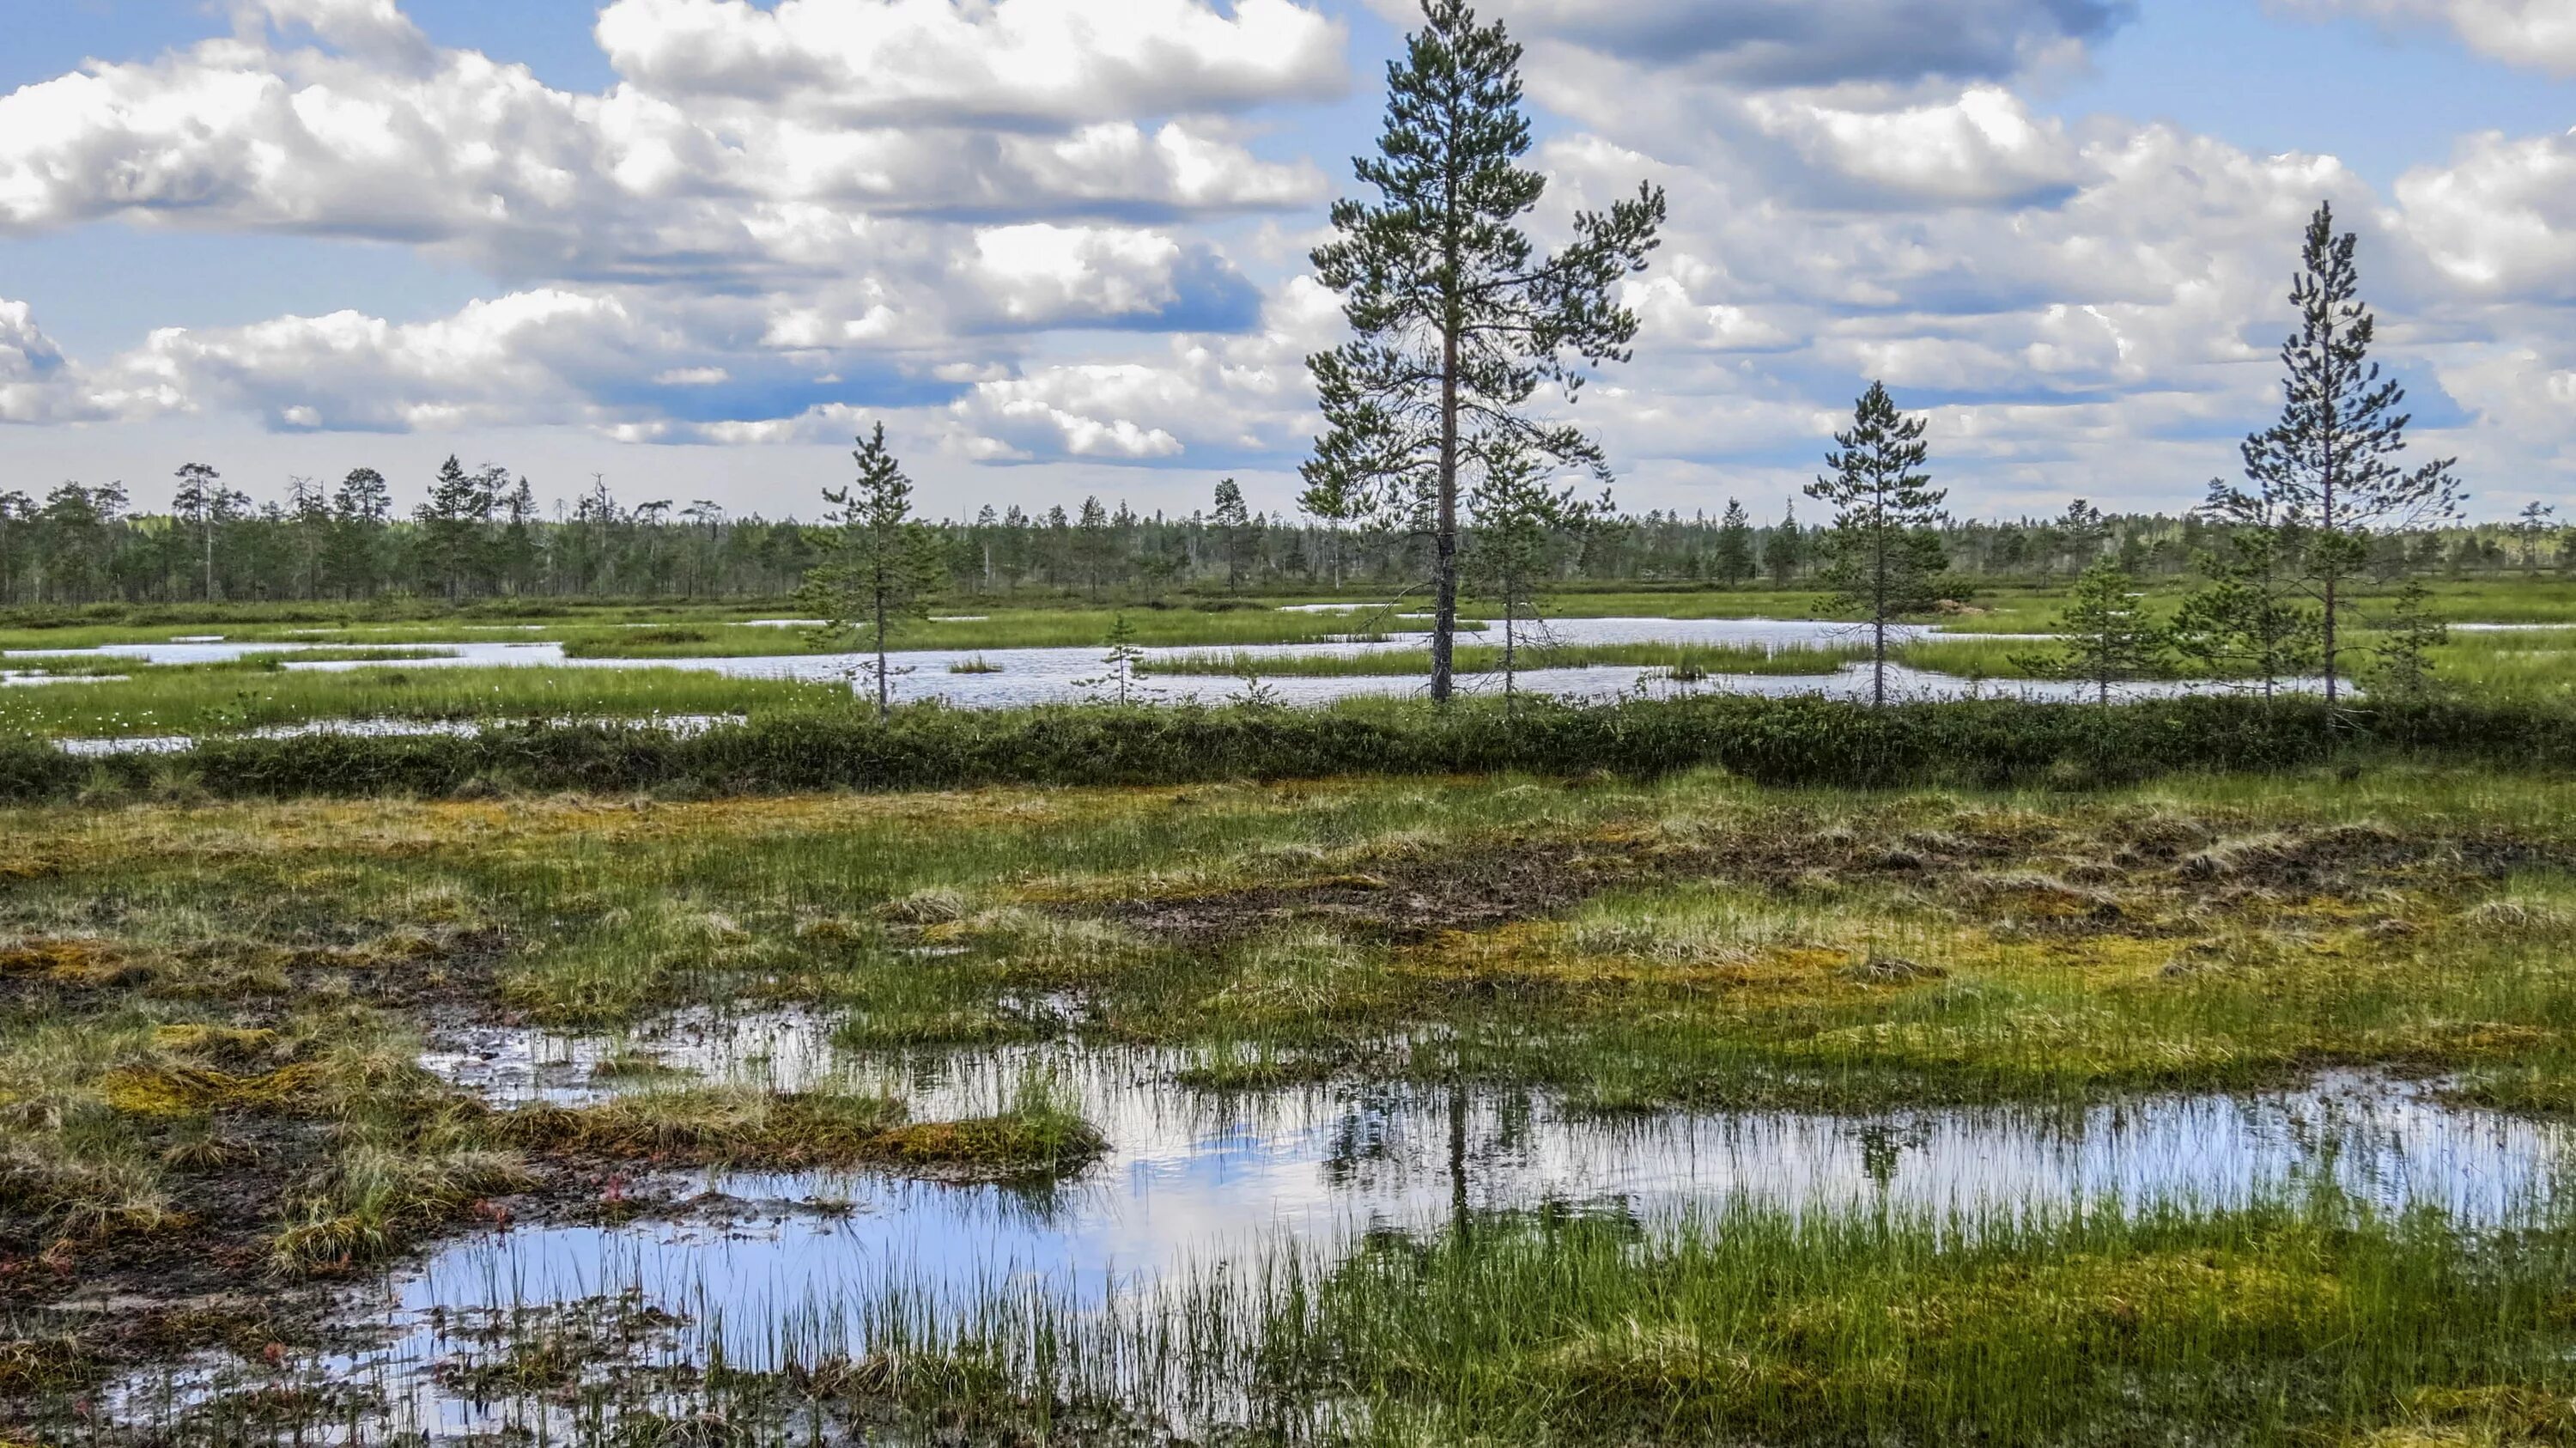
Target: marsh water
(1008,677)
(760,1270)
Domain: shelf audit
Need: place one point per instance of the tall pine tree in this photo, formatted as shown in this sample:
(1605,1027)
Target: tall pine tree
(1458,320)
(1882,560)
(2329,463)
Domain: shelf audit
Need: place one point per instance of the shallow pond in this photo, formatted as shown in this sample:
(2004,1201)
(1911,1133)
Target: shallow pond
(764,1269)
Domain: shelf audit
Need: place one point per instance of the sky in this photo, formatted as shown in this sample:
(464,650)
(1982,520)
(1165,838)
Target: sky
(1058,247)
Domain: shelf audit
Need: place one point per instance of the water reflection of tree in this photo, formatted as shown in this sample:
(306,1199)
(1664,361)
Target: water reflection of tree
(1385,1137)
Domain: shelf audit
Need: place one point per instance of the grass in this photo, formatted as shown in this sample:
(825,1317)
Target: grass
(212,701)
(2301,1318)
(2294,1321)
(2533,667)
(1694,941)
(734,1126)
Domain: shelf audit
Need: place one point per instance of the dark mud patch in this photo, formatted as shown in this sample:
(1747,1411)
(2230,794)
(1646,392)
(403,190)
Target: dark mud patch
(2119,876)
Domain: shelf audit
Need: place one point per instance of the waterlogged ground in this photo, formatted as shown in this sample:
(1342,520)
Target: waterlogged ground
(1330,1111)
(1761,656)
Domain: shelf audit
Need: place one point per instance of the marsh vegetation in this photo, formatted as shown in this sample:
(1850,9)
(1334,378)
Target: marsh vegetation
(238,1048)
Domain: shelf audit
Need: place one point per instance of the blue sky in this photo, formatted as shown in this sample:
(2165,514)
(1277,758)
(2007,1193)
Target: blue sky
(1059,246)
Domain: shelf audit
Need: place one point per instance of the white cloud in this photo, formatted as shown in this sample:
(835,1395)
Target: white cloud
(996,223)
(2500,219)
(1981,147)
(38,385)
(485,161)
(518,358)
(376,29)
(914,61)
(2537,33)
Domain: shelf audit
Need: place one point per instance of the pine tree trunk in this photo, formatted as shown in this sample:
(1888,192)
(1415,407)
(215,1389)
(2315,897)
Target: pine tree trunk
(1878,607)
(1444,564)
(884,707)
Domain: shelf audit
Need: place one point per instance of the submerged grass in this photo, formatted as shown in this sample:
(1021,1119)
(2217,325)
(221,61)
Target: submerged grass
(2305,1318)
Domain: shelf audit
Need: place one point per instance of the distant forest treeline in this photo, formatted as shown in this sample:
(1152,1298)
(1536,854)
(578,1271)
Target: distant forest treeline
(482,534)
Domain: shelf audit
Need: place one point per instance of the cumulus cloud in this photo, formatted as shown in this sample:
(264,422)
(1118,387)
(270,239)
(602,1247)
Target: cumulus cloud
(682,258)
(1210,396)
(483,160)
(2537,33)
(37,384)
(915,61)
(506,360)
(376,29)
(1980,147)
(2500,218)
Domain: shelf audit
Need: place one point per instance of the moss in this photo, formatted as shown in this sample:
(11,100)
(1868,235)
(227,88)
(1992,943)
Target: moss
(74,962)
(178,1091)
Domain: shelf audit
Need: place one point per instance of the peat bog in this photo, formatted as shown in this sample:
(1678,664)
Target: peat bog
(1509,1107)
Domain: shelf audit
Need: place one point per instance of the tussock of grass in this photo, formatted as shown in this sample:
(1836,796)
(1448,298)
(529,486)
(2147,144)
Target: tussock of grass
(740,1127)
(377,1198)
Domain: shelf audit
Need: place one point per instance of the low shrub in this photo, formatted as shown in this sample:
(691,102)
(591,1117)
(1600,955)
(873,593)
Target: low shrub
(1793,741)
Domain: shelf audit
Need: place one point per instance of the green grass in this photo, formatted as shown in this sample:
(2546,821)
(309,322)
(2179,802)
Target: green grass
(2292,1322)
(1487,658)
(195,701)
(2523,667)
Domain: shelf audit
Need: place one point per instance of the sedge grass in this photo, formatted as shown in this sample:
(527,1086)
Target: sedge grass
(196,701)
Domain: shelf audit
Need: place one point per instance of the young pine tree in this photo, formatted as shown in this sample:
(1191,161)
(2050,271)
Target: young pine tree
(1123,663)
(2252,618)
(1785,551)
(1519,516)
(1457,319)
(1732,559)
(2329,464)
(880,564)
(2532,525)
(2404,653)
(2105,636)
(1232,520)
(1878,561)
